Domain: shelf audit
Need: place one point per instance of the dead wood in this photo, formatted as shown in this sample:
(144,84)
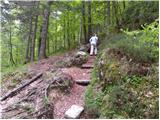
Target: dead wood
(16,90)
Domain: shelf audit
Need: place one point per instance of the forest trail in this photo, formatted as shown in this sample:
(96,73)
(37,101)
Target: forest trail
(77,93)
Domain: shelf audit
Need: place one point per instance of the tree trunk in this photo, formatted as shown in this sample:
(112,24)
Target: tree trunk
(33,39)
(84,21)
(44,31)
(39,41)
(124,5)
(56,37)
(89,21)
(48,46)
(28,42)
(80,33)
(64,33)
(10,43)
(68,31)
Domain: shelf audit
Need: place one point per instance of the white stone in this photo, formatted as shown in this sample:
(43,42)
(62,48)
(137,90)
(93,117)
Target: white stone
(74,112)
(81,53)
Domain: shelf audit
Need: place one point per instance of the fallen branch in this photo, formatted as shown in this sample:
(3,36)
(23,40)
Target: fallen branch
(13,92)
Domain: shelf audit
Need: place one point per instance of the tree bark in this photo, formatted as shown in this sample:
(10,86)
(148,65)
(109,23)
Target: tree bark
(89,21)
(64,33)
(56,35)
(80,33)
(84,21)
(44,31)
(33,39)
(124,5)
(16,90)
(10,43)
(68,31)
(39,41)
(28,42)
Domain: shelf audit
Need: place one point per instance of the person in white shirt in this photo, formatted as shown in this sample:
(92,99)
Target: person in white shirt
(93,42)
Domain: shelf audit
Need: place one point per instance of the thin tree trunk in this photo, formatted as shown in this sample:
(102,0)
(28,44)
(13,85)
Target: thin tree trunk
(124,5)
(84,21)
(68,31)
(39,42)
(44,31)
(80,32)
(33,39)
(64,35)
(10,43)
(28,42)
(55,37)
(89,21)
(48,51)
(52,45)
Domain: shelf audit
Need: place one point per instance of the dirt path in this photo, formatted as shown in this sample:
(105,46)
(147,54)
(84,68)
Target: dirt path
(77,93)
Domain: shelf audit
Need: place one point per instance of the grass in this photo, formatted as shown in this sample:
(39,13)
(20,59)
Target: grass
(12,69)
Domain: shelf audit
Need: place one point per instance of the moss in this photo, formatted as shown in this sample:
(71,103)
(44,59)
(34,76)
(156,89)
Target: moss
(117,94)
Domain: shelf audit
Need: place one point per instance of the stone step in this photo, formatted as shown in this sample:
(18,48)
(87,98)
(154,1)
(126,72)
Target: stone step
(90,62)
(82,82)
(74,112)
(87,66)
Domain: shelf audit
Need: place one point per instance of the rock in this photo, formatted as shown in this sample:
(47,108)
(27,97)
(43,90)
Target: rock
(83,82)
(87,66)
(81,53)
(74,112)
(85,48)
(77,59)
(82,48)
(149,94)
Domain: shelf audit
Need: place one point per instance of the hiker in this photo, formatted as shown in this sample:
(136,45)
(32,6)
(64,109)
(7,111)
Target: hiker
(93,42)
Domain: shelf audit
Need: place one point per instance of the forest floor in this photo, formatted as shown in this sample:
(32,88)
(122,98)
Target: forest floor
(77,92)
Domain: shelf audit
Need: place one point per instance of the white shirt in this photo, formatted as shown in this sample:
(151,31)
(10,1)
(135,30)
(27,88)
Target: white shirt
(93,40)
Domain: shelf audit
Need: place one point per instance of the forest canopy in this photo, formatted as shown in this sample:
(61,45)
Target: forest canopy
(33,30)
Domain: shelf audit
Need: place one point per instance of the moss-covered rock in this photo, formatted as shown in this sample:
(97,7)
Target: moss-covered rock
(76,59)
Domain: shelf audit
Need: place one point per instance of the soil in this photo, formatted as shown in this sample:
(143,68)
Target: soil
(77,92)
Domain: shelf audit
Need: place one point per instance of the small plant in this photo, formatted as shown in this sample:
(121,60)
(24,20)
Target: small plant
(133,80)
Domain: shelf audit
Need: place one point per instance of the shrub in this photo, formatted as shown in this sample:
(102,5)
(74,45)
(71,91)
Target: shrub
(142,45)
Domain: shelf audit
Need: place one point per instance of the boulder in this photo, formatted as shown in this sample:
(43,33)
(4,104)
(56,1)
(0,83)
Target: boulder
(81,53)
(85,47)
(77,59)
(74,112)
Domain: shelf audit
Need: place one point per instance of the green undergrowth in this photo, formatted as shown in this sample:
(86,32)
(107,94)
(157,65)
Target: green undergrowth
(125,83)
(140,45)
(12,69)
(120,95)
